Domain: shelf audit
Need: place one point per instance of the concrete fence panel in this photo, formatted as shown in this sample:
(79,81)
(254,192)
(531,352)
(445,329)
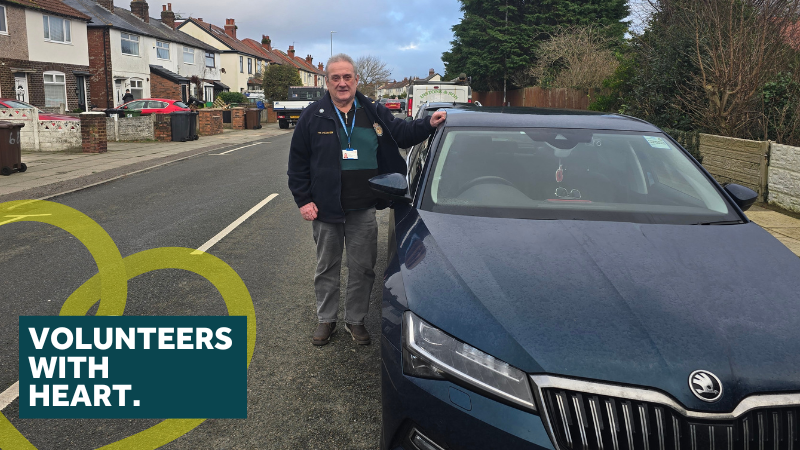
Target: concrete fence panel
(43,135)
(738,161)
(130,128)
(784,176)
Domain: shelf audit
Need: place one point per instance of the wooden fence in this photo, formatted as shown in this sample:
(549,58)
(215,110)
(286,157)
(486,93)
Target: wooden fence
(737,161)
(537,97)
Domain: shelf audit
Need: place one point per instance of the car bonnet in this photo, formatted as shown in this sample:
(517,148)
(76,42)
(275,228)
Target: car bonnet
(626,303)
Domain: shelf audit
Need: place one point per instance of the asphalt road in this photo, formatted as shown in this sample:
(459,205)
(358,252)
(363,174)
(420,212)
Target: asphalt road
(299,396)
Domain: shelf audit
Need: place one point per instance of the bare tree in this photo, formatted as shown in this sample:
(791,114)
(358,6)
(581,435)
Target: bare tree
(575,57)
(739,46)
(372,73)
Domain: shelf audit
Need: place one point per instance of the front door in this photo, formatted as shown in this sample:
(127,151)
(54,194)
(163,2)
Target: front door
(119,91)
(81,92)
(21,86)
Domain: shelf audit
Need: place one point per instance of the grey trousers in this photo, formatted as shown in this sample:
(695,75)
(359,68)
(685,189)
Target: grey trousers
(359,233)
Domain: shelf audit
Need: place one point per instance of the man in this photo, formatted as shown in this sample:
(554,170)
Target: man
(128,97)
(339,143)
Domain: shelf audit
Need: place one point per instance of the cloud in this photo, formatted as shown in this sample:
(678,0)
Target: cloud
(410,42)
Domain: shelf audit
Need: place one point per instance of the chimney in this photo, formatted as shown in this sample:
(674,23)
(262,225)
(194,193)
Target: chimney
(141,9)
(266,42)
(320,66)
(167,16)
(291,51)
(199,19)
(431,72)
(107,4)
(309,59)
(230,28)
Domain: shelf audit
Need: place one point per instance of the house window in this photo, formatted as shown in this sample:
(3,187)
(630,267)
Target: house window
(55,89)
(137,88)
(130,44)
(241,64)
(162,50)
(209,59)
(188,55)
(3,20)
(57,29)
(249,65)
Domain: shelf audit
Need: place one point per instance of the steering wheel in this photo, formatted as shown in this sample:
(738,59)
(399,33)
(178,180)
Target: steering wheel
(482,180)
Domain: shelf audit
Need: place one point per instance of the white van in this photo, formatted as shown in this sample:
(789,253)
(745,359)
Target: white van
(421,91)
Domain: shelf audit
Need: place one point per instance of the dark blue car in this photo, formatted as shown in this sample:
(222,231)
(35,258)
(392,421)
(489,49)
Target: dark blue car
(563,280)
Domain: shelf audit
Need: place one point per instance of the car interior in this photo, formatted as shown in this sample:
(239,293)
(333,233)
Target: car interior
(574,169)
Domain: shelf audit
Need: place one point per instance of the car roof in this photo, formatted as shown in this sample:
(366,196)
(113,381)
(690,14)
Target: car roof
(545,118)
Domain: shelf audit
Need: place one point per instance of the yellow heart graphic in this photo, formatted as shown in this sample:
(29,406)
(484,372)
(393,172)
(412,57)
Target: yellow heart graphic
(110,287)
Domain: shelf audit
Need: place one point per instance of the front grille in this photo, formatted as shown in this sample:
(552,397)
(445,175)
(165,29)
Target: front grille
(595,422)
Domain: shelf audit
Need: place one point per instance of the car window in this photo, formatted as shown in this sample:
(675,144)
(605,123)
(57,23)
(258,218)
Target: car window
(16,104)
(181,105)
(136,105)
(417,163)
(571,174)
(156,105)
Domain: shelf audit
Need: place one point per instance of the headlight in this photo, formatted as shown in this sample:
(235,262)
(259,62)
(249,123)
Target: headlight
(428,352)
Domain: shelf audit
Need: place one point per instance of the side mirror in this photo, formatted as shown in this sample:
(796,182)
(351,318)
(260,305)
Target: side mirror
(742,196)
(391,186)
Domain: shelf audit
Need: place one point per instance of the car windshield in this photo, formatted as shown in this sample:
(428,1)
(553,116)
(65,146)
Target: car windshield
(181,105)
(18,104)
(569,174)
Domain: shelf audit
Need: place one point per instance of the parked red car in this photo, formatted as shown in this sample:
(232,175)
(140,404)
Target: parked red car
(14,103)
(394,105)
(155,106)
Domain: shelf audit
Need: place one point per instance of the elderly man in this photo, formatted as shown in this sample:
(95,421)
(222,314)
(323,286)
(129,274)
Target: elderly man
(340,142)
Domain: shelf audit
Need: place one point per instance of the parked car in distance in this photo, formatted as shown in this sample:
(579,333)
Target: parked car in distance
(574,280)
(392,104)
(13,103)
(154,106)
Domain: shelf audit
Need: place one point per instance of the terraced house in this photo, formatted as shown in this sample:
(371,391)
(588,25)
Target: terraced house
(130,50)
(44,58)
(241,64)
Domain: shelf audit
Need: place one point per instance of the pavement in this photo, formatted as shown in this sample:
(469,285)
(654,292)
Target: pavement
(55,173)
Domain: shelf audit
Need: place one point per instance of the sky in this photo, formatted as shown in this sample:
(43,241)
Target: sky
(409,36)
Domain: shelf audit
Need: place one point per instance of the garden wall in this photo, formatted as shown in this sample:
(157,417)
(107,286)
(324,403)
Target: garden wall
(43,135)
(784,176)
(130,128)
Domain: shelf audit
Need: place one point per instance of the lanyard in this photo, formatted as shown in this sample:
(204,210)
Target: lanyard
(352,125)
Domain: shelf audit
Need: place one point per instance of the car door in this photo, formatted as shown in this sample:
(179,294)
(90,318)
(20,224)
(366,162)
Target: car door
(132,106)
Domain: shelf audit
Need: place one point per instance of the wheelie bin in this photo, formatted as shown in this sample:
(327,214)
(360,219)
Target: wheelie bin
(252,119)
(181,123)
(193,125)
(10,148)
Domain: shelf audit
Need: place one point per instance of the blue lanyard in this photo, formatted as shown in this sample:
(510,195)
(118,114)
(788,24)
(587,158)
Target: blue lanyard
(352,125)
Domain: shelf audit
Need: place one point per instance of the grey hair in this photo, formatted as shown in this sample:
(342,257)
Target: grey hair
(341,57)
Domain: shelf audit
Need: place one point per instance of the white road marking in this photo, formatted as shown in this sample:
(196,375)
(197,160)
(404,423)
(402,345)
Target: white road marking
(11,394)
(233,150)
(203,248)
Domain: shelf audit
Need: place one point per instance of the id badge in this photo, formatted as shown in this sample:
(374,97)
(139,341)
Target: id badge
(350,154)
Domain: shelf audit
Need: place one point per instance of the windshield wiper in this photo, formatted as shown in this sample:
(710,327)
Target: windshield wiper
(721,222)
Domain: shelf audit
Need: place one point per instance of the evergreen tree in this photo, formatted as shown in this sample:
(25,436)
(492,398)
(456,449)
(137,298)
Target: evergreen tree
(277,79)
(497,39)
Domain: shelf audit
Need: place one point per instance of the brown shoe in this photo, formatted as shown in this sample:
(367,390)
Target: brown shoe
(322,335)
(359,333)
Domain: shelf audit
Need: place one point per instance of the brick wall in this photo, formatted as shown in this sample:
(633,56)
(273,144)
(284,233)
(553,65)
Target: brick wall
(93,133)
(36,80)
(237,118)
(210,122)
(161,87)
(102,91)
(163,128)
(272,116)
